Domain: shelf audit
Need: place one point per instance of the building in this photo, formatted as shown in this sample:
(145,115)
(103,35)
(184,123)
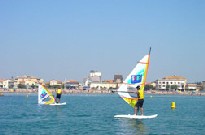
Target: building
(27,81)
(95,76)
(6,84)
(171,83)
(118,78)
(1,83)
(105,85)
(55,83)
(72,84)
(191,86)
(203,85)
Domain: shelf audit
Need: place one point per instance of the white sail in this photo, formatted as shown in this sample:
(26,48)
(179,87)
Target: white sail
(137,77)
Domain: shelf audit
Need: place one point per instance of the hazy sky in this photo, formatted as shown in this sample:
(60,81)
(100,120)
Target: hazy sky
(58,39)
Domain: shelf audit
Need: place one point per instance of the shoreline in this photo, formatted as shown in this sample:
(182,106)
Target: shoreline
(94,91)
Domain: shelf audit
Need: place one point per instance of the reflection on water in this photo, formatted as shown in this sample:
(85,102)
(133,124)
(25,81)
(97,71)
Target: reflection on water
(140,126)
(132,126)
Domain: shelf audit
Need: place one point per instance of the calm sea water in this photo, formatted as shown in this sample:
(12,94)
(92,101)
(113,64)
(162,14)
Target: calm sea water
(93,115)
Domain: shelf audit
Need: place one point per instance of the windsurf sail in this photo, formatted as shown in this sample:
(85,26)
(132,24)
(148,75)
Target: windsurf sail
(137,77)
(44,96)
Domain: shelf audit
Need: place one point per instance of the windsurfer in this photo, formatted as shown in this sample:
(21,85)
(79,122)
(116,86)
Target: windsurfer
(139,104)
(58,95)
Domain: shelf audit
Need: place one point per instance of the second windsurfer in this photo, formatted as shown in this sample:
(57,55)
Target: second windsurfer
(58,95)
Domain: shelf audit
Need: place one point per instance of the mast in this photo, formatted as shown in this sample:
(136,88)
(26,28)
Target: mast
(147,67)
(150,50)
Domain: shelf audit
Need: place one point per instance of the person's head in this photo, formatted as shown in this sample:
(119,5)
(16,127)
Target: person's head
(138,87)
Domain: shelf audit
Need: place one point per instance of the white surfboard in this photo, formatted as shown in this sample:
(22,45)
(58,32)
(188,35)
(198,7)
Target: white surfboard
(129,116)
(64,103)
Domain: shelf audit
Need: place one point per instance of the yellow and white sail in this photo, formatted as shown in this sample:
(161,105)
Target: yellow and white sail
(44,96)
(136,77)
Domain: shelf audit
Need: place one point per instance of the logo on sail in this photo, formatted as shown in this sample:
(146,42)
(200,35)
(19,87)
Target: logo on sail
(44,94)
(136,79)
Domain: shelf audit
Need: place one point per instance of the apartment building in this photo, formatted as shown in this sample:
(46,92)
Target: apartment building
(27,81)
(171,83)
(55,83)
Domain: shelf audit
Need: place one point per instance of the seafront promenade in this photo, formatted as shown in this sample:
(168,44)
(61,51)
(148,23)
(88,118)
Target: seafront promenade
(65,91)
(95,91)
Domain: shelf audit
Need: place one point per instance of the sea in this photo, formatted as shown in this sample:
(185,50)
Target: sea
(93,114)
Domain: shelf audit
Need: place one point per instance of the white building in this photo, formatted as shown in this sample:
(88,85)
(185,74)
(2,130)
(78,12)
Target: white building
(8,84)
(55,83)
(171,83)
(1,83)
(191,86)
(95,76)
(103,85)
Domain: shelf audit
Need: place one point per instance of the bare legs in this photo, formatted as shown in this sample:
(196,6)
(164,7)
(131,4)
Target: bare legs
(142,110)
(57,100)
(137,109)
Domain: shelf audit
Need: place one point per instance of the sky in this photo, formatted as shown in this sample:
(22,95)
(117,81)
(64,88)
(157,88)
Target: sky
(65,39)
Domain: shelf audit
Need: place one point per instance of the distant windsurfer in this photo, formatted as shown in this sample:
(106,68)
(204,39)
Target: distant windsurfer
(58,96)
(140,101)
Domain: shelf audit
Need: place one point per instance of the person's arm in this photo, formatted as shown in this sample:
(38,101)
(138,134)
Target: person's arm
(138,94)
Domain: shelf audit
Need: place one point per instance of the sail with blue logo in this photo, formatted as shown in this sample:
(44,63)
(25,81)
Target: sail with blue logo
(137,77)
(44,96)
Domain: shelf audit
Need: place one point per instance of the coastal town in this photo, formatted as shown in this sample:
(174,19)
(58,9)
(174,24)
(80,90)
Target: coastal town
(94,84)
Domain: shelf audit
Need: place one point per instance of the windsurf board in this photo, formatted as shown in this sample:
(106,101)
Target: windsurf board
(129,116)
(64,103)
